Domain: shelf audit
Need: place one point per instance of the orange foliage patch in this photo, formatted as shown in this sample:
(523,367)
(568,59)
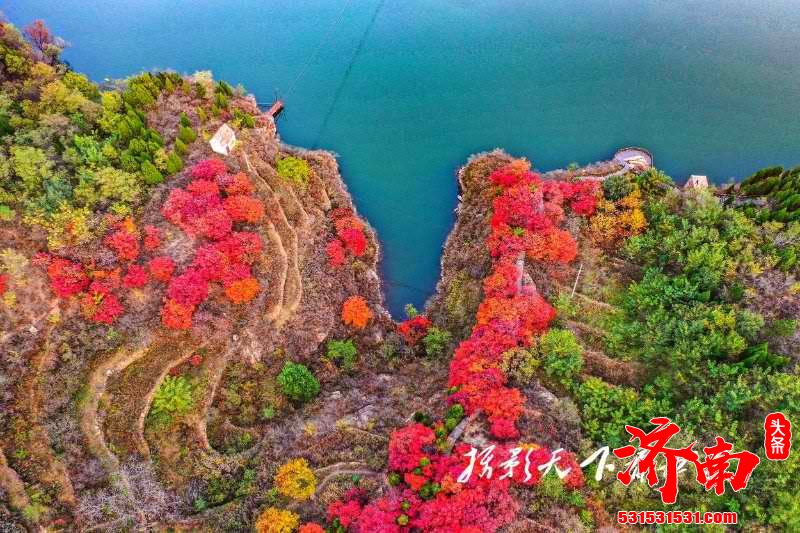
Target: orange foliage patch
(238,184)
(356,312)
(243,208)
(243,290)
(311,527)
(176,316)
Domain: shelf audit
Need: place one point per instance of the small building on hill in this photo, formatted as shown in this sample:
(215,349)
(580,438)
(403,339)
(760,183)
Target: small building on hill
(224,140)
(696,182)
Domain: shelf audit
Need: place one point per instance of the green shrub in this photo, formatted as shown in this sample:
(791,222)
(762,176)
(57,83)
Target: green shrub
(243,119)
(6,213)
(788,259)
(653,181)
(617,187)
(453,416)
(749,324)
(783,328)
(767,172)
(293,169)
(33,512)
(606,409)
(199,90)
(436,341)
(562,355)
(186,134)
(185,122)
(180,148)
(298,383)
(551,488)
(174,163)
(152,176)
(224,88)
(174,397)
(5,125)
(342,352)
(221,101)
(520,364)
(110,184)
(565,306)
(461,302)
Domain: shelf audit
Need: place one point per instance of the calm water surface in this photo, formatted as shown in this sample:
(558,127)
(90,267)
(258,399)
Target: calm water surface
(405,90)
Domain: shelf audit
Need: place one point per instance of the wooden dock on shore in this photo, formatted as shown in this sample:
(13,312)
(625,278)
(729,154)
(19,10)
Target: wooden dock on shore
(276,108)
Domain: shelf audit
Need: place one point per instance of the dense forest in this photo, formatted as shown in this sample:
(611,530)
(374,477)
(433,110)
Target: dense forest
(197,342)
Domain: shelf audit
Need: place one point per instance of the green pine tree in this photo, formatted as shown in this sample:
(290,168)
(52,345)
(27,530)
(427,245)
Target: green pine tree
(152,176)
(174,163)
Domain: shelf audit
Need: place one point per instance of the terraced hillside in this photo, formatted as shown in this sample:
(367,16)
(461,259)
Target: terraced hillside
(80,443)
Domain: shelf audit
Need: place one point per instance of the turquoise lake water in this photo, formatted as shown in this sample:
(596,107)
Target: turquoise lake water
(405,90)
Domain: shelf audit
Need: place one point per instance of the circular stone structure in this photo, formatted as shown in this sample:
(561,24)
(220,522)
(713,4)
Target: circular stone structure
(634,156)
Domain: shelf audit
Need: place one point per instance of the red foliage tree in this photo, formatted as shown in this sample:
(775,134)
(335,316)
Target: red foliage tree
(152,238)
(574,479)
(553,246)
(503,406)
(350,231)
(518,171)
(382,516)
(188,289)
(347,222)
(516,207)
(243,208)
(161,268)
(176,316)
(203,187)
(505,241)
(214,224)
(355,240)
(582,196)
(136,277)
(336,254)
(347,512)
(502,282)
(241,247)
(341,212)
(39,35)
(125,244)
(485,508)
(66,278)
(238,183)
(100,305)
(406,446)
(414,329)
(208,169)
